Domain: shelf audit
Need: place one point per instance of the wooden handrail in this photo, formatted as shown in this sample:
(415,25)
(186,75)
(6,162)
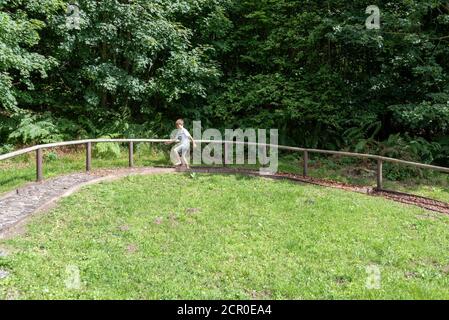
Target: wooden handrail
(72,143)
(88,143)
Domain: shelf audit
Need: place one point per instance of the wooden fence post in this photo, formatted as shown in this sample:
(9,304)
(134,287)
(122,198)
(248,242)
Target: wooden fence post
(88,156)
(379,175)
(39,163)
(306,164)
(131,154)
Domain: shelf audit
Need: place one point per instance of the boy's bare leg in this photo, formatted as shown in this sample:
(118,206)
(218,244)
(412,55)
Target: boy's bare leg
(177,157)
(184,159)
(186,163)
(179,160)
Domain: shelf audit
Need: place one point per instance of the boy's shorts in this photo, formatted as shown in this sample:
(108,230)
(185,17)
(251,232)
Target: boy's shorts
(182,149)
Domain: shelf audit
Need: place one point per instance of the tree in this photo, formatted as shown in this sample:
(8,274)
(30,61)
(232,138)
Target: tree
(313,70)
(20,63)
(130,60)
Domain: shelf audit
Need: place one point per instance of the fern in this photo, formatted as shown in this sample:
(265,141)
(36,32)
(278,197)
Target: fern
(31,129)
(107,150)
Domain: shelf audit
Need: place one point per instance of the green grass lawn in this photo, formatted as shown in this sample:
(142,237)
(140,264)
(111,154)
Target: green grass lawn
(227,237)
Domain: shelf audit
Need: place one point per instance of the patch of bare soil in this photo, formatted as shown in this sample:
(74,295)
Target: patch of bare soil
(426,203)
(445,270)
(124,228)
(130,249)
(192,210)
(173,219)
(260,295)
(158,220)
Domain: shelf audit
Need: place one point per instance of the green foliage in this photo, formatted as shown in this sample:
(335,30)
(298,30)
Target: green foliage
(6,148)
(19,37)
(107,150)
(130,58)
(34,129)
(308,68)
(52,156)
(428,118)
(314,71)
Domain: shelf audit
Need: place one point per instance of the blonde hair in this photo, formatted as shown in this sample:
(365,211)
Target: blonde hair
(180,122)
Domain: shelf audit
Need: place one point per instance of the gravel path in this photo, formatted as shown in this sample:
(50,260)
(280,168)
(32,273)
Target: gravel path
(20,204)
(23,202)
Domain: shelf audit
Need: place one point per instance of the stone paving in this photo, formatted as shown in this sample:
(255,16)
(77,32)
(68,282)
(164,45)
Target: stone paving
(20,204)
(16,206)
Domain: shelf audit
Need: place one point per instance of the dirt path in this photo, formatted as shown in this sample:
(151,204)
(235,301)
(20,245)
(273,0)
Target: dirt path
(16,206)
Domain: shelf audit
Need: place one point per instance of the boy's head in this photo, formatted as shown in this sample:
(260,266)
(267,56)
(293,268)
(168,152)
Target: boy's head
(179,123)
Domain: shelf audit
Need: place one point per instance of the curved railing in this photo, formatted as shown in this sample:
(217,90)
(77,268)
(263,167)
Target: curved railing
(88,143)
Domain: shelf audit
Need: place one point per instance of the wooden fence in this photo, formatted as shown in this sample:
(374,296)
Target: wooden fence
(38,149)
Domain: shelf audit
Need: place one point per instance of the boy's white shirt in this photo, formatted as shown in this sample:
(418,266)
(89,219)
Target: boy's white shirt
(182,131)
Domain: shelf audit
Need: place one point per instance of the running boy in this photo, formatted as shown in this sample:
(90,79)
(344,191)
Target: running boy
(182,136)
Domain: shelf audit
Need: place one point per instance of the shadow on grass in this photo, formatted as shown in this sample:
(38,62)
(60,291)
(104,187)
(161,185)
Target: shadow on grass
(11,183)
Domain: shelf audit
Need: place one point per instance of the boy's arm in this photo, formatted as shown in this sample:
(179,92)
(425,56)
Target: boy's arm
(170,142)
(193,142)
(191,138)
(172,139)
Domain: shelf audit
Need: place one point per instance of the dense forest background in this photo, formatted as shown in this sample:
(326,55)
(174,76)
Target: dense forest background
(309,68)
